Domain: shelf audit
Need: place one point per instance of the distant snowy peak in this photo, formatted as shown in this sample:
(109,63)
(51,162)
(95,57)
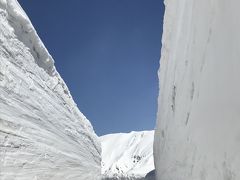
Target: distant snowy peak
(127,154)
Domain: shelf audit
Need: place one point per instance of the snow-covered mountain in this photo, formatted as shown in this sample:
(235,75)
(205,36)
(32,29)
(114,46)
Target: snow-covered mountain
(198,128)
(127,155)
(43,135)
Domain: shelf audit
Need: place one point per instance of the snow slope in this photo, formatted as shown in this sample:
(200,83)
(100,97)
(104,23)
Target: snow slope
(127,155)
(43,135)
(198,126)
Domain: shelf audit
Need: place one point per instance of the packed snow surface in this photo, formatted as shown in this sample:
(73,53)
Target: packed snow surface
(198,127)
(127,155)
(43,135)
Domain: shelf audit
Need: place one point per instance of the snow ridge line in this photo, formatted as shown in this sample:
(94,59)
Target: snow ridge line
(20,20)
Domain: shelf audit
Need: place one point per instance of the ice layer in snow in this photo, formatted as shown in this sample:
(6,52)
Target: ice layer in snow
(127,155)
(43,135)
(198,126)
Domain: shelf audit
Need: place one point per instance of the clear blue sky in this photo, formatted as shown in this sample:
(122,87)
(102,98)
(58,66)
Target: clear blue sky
(107,52)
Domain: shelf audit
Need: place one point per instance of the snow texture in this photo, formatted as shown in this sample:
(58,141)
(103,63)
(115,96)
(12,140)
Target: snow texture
(198,126)
(43,135)
(127,155)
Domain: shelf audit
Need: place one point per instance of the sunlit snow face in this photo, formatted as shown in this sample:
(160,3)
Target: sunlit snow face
(127,154)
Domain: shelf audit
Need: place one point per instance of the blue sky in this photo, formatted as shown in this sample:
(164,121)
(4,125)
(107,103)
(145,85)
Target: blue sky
(107,52)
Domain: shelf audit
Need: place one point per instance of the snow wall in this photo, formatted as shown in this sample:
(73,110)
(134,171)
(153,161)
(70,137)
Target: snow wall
(43,135)
(198,127)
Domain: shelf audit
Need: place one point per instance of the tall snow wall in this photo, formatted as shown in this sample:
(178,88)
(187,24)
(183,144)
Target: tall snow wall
(198,126)
(43,135)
